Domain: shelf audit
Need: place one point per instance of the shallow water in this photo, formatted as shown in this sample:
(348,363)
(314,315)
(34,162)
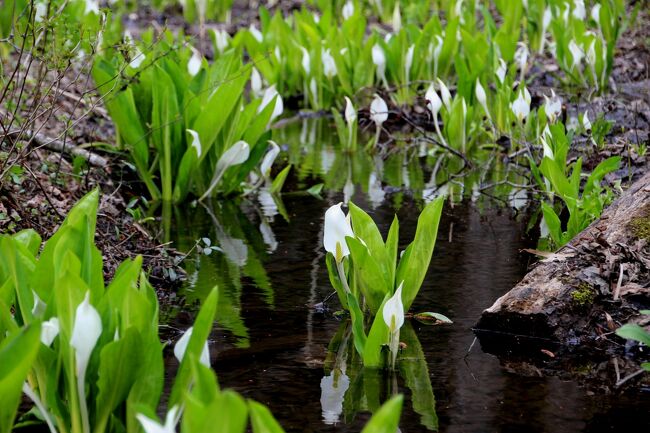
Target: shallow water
(272,346)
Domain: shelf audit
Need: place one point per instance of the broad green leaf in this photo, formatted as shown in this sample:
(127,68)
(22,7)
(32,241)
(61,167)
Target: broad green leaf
(278,182)
(118,361)
(634,332)
(358,331)
(17,355)
(386,420)
(377,338)
(369,276)
(200,333)
(262,420)
(414,264)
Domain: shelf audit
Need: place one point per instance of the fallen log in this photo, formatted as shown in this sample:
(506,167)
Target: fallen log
(589,288)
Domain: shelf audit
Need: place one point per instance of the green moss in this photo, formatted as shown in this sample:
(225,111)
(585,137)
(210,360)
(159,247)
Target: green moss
(583,295)
(641,227)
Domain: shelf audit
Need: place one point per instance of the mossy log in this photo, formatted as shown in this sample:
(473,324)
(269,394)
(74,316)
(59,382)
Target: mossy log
(590,287)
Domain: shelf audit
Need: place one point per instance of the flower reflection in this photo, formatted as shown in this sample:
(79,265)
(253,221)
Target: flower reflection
(333,389)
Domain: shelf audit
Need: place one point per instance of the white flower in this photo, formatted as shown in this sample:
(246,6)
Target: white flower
(255,33)
(269,94)
(408,61)
(585,122)
(548,152)
(85,333)
(350,111)
(181,347)
(194,64)
(41,11)
(576,53)
(521,56)
(49,331)
(393,312)
(269,158)
(546,20)
(153,426)
(590,58)
(501,71)
(306,60)
(196,142)
(393,315)
(595,14)
(397,19)
(434,103)
(521,106)
(337,227)
(444,92)
(481,97)
(553,106)
(378,110)
(348,10)
(277,54)
(256,82)
(39,306)
(220,40)
(379,59)
(92,6)
(329,66)
(313,88)
(579,11)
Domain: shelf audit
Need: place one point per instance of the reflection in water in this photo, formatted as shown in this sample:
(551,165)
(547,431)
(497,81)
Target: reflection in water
(272,346)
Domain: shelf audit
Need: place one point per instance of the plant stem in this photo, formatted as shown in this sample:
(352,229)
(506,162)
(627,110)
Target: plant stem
(344,280)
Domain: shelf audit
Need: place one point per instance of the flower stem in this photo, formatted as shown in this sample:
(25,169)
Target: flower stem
(344,280)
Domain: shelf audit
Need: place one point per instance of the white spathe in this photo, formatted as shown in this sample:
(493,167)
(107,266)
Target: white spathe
(350,111)
(521,106)
(181,347)
(576,53)
(85,333)
(49,331)
(196,142)
(194,64)
(269,158)
(337,227)
(153,426)
(446,95)
(378,110)
(348,10)
(501,71)
(393,312)
(329,65)
(481,97)
(434,103)
(221,40)
(553,107)
(256,82)
(306,60)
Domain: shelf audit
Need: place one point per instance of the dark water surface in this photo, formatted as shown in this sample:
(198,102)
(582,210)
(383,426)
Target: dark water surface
(270,345)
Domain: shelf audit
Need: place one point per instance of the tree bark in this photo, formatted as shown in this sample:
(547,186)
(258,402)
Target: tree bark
(590,287)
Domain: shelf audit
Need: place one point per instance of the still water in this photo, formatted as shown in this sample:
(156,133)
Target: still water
(272,345)
(276,344)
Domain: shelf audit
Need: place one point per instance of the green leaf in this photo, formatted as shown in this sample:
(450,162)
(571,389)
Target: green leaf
(377,338)
(425,316)
(200,333)
(369,276)
(358,330)
(17,355)
(118,361)
(414,264)
(278,182)
(634,332)
(262,420)
(553,223)
(386,419)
